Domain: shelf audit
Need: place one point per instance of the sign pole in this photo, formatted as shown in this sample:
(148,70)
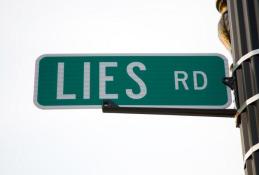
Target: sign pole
(243,18)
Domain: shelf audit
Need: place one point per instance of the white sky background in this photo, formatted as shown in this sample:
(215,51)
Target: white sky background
(51,142)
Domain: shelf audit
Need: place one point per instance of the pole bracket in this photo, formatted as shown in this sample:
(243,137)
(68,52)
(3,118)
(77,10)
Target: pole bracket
(250,152)
(229,81)
(244,106)
(247,56)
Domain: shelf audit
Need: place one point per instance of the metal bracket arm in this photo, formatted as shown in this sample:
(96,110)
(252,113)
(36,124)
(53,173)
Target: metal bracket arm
(110,107)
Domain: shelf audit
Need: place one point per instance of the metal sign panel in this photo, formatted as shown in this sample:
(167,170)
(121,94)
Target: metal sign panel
(132,80)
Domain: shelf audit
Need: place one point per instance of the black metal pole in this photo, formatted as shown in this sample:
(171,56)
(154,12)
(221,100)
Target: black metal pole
(244,32)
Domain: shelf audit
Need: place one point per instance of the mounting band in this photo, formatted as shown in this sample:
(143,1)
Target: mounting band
(250,152)
(245,104)
(244,58)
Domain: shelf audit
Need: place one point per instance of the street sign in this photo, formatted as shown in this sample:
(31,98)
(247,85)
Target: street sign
(142,80)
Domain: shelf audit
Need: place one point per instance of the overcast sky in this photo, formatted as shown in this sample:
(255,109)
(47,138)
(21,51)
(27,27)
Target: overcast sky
(80,141)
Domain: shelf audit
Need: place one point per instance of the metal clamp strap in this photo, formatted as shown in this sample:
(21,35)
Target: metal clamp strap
(244,58)
(245,104)
(250,152)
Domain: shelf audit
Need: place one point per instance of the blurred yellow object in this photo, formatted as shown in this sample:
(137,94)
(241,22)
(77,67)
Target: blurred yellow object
(221,6)
(223,25)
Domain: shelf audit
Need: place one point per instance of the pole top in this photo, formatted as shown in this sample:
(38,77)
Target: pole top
(221,6)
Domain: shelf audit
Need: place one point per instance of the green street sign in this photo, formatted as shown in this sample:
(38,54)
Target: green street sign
(132,80)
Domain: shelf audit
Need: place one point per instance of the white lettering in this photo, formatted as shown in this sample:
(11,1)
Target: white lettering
(86,94)
(60,84)
(142,86)
(103,78)
(195,77)
(182,80)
